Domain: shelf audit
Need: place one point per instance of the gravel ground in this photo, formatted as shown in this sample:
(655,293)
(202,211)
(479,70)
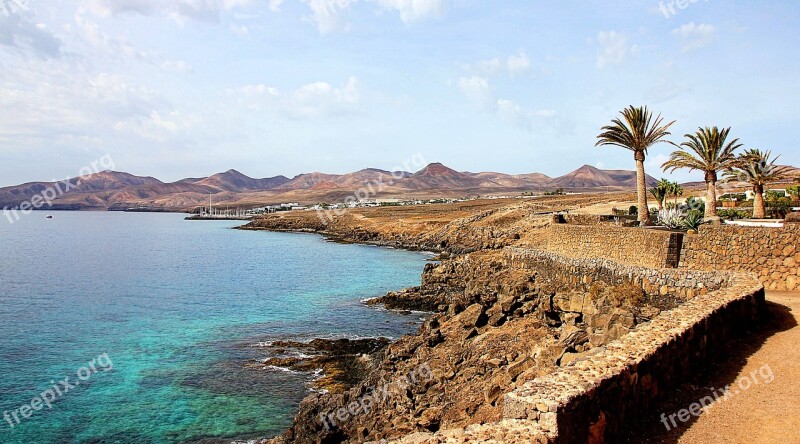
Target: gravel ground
(762,371)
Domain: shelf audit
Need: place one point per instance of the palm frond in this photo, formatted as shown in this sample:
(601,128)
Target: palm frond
(706,150)
(757,168)
(637,130)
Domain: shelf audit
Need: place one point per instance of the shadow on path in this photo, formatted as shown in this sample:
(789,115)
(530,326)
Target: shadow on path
(722,371)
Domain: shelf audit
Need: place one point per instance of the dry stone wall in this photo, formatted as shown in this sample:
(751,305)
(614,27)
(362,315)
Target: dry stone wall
(580,273)
(592,398)
(772,254)
(648,248)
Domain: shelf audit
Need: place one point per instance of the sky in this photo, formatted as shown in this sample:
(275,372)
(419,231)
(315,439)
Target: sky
(189,88)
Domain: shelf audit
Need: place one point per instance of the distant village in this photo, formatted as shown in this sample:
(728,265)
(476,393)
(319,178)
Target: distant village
(218,211)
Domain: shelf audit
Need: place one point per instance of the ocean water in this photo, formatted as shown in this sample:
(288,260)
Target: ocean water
(174,310)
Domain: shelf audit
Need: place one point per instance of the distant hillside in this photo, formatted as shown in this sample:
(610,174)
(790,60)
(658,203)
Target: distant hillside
(233,180)
(118,190)
(588,176)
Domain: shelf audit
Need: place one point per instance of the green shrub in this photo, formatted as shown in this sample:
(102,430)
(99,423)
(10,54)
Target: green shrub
(693,220)
(735,214)
(695,204)
(633,210)
(778,206)
(794,192)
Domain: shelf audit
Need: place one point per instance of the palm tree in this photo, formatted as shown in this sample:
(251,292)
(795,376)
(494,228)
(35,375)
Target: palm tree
(758,168)
(637,131)
(706,151)
(676,190)
(660,192)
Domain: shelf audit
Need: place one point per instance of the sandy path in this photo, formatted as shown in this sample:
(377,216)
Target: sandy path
(757,411)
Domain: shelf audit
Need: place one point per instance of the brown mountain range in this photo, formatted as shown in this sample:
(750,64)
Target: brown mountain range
(120,191)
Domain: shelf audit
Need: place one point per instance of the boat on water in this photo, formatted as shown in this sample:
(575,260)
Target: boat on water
(49,216)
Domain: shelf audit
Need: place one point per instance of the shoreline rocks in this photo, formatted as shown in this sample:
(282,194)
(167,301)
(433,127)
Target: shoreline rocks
(496,328)
(342,363)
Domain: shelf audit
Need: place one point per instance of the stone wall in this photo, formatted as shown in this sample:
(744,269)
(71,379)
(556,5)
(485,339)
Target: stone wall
(580,273)
(592,219)
(649,248)
(772,254)
(593,398)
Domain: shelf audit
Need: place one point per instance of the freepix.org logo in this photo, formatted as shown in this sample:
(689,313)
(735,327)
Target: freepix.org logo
(13,7)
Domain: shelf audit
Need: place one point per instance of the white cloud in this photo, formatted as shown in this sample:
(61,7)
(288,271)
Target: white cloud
(476,88)
(240,30)
(153,126)
(490,66)
(321,99)
(518,64)
(327,14)
(654,162)
(512,113)
(509,111)
(694,36)
(614,48)
(275,5)
(414,10)
(546,113)
(259,89)
(514,64)
(178,10)
(668,84)
(19,31)
(230,4)
(177,66)
(55,101)
(313,100)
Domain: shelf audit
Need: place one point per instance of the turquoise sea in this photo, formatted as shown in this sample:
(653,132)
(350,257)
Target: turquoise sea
(179,307)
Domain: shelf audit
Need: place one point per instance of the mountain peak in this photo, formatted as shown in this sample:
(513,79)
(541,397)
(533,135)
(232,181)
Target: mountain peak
(437,169)
(235,181)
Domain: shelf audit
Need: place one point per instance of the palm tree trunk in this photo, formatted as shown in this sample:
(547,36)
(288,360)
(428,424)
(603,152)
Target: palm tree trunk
(641,190)
(759,210)
(711,197)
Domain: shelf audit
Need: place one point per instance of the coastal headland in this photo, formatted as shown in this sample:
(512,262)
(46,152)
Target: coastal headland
(538,333)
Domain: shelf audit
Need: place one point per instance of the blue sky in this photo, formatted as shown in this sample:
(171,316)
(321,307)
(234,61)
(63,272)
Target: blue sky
(188,88)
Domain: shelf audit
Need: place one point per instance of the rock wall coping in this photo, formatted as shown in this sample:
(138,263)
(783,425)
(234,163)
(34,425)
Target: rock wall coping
(580,273)
(596,395)
(643,247)
(773,254)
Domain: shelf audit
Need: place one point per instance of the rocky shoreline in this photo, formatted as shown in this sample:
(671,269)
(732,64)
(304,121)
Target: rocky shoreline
(501,328)
(494,327)
(338,363)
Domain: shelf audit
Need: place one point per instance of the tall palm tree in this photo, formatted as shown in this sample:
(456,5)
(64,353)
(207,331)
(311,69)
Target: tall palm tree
(660,192)
(706,151)
(758,168)
(675,190)
(637,131)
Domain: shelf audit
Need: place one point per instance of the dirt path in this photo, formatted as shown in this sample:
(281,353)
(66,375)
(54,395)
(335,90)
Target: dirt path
(762,371)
